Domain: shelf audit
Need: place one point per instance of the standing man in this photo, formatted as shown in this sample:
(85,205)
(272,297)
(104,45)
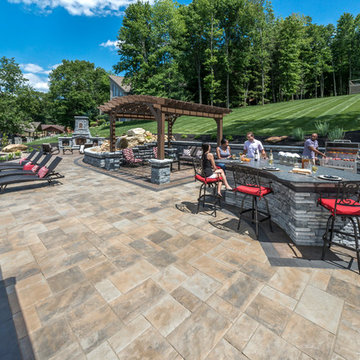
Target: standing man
(252,145)
(311,148)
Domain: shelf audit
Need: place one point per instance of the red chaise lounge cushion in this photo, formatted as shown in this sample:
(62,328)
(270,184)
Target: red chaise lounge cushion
(28,166)
(42,172)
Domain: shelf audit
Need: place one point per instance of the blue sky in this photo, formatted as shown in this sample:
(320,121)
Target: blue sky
(39,34)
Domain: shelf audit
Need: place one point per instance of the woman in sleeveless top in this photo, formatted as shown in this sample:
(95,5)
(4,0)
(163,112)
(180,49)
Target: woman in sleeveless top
(223,151)
(210,170)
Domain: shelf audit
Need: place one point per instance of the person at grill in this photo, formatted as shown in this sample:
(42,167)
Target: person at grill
(209,169)
(253,146)
(311,148)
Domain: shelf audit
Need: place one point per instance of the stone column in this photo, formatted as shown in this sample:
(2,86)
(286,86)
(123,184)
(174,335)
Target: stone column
(160,171)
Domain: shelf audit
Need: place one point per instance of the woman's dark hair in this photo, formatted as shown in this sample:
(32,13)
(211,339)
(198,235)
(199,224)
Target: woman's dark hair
(205,148)
(223,141)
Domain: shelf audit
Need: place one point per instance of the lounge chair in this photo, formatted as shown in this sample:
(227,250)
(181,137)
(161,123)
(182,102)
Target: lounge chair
(12,166)
(44,174)
(28,158)
(190,154)
(27,169)
(130,158)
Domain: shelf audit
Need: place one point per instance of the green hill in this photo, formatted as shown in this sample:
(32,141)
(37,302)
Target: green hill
(271,119)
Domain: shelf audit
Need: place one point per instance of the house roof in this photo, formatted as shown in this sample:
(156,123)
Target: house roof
(118,80)
(51,126)
(31,127)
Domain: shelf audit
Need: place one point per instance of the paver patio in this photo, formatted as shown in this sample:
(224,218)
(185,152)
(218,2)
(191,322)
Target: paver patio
(99,268)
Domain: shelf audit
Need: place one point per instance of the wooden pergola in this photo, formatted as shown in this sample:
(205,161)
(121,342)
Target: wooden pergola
(161,110)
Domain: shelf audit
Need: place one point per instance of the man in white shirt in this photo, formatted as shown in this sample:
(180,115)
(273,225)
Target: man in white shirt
(252,145)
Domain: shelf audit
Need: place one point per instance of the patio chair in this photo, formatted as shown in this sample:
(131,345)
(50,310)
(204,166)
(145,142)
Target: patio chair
(189,154)
(28,169)
(247,183)
(207,184)
(346,206)
(47,148)
(130,158)
(44,174)
(23,160)
(13,166)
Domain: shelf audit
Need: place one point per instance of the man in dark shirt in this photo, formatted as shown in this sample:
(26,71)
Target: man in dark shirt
(311,148)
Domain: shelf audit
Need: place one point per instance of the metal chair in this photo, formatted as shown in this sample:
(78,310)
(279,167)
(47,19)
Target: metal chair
(346,205)
(206,184)
(247,183)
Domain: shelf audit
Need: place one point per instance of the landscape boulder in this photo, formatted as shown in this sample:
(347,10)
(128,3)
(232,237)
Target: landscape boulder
(275,139)
(134,137)
(14,147)
(136,132)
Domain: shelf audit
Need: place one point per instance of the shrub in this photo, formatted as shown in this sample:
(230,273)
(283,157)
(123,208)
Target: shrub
(4,140)
(93,123)
(229,138)
(10,156)
(336,133)
(197,136)
(2,158)
(213,137)
(18,153)
(322,127)
(183,136)
(298,134)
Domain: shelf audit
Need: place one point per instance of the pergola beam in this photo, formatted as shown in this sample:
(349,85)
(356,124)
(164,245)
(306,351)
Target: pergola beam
(159,109)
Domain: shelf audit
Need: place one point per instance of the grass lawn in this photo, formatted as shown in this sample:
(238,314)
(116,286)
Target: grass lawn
(271,119)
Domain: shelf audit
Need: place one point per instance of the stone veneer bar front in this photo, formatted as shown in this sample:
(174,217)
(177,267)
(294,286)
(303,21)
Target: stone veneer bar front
(293,204)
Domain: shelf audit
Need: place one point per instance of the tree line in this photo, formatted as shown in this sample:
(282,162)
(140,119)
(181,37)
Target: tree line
(235,52)
(75,88)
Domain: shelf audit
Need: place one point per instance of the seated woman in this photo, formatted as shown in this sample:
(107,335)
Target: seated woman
(223,151)
(210,170)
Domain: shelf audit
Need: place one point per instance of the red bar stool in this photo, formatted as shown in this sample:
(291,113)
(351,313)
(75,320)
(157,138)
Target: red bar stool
(247,183)
(345,205)
(206,185)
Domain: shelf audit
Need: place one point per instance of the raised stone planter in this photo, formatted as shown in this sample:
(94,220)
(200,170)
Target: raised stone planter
(105,160)
(160,171)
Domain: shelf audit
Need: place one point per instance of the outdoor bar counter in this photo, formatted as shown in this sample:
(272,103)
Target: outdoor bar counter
(293,201)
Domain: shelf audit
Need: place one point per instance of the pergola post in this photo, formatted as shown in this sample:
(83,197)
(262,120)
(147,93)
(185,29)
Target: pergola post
(170,123)
(219,124)
(112,132)
(161,135)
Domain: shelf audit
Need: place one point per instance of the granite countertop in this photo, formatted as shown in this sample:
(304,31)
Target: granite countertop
(297,182)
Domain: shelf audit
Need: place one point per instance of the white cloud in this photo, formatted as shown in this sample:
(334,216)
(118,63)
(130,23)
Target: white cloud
(113,45)
(81,7)
(37,82)
(32,68)
(38,77)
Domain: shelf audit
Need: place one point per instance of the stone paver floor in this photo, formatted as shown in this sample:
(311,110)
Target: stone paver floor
(98,268)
